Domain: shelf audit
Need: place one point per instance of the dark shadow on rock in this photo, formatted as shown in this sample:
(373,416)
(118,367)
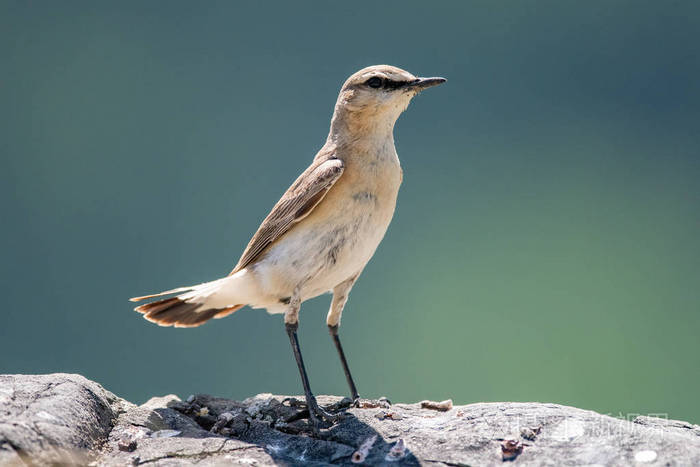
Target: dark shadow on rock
(280,427)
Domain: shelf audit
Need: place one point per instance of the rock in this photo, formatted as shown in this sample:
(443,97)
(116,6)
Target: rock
(56,418)
(70,420)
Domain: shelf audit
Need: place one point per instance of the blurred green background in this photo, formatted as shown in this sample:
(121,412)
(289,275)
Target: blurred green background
(546,244)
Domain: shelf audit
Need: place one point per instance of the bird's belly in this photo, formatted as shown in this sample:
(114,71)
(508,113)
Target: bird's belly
(326,249)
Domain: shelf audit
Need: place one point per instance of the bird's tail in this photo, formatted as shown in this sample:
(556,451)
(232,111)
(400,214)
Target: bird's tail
(198,304)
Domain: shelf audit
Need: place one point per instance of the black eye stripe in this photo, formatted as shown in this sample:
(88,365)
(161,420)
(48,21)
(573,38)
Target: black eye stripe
(377,82)
(389,84)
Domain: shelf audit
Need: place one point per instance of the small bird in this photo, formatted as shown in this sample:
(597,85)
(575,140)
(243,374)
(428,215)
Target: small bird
(325,228)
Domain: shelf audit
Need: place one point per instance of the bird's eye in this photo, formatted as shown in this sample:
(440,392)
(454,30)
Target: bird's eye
(375,82)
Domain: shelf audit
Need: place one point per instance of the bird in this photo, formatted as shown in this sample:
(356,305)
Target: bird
(321,234)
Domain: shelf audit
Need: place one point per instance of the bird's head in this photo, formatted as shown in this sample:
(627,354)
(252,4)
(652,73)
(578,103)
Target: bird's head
(378,94)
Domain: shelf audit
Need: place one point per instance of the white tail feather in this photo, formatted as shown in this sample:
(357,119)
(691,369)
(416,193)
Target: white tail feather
(219,293)
(160,294)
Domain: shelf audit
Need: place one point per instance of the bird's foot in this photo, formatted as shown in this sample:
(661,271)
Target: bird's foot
(319,417)
(317,413)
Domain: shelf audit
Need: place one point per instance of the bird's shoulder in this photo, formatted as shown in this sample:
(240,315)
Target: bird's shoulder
(321,171)
(295,204)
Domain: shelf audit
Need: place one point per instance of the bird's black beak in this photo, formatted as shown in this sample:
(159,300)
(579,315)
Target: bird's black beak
(424,83)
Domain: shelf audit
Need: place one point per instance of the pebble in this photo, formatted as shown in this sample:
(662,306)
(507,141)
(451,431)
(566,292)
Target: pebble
(127,445)
(443,406)
(397,451)
(360,455)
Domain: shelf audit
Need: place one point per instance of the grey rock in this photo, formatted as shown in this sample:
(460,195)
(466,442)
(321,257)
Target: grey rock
(54,418)
(70,420)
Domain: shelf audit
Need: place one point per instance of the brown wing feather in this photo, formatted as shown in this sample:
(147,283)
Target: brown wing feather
(300,199)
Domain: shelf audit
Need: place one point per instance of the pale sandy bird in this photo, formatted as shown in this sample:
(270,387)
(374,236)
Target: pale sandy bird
(325,228)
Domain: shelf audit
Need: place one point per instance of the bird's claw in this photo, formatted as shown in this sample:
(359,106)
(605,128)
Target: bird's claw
(321,418)
(317,412)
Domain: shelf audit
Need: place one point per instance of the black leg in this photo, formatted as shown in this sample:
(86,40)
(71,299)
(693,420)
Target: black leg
(315,412)
(353,390)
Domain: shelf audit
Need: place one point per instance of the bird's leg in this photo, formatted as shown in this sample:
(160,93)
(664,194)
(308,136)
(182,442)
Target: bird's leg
(340,297)
(315,412)
(336,340)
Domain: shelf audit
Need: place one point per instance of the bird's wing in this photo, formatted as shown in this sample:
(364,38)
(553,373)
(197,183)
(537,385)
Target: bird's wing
(300,199)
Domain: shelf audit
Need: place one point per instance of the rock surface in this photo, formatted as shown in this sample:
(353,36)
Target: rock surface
(68,419)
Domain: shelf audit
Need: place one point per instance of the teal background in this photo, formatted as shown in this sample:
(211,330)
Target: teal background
(546,244)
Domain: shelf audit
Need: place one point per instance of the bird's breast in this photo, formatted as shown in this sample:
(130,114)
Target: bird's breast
(339,237)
